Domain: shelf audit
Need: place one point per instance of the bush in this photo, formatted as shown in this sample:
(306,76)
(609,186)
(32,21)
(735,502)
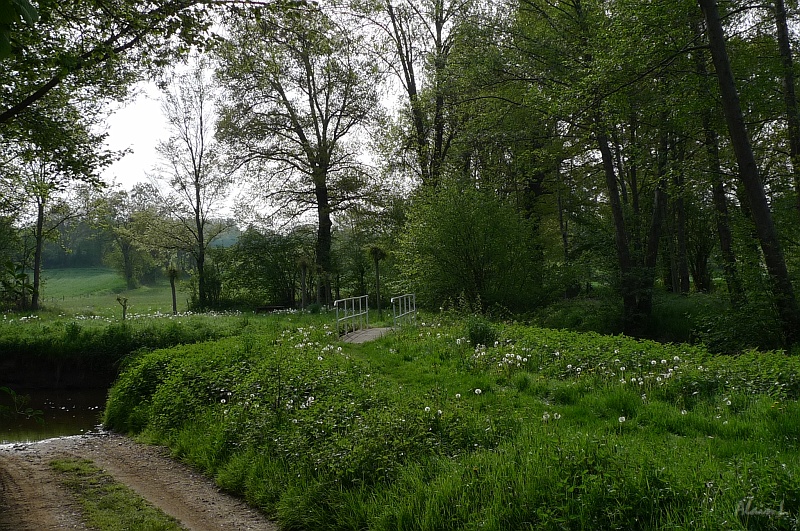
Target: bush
(480,331)
(461,240)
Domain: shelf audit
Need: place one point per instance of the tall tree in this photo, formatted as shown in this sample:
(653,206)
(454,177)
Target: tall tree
(195,183)
(749,175)
(299,88)
(123,216)
(789,93)
(418,39)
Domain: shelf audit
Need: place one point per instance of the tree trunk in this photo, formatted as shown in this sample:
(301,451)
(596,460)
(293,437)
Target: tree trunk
(378,284)
(735,289)
(303,285)
(721,215)
(173,274)
(660,200)
(324,239)
(126,250)
(789,95)
(37,254)
(680,234)
(202,289)
(562,225)
(631,319)
(748,171)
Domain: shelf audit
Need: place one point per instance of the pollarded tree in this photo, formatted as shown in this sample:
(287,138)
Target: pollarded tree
(298,89)
(192,181)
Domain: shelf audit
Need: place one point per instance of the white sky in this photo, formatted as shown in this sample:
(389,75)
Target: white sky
(137,126)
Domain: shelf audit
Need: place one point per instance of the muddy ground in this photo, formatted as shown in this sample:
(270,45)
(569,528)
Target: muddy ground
(31,498)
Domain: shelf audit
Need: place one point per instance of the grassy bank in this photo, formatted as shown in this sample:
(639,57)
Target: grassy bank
(421,430)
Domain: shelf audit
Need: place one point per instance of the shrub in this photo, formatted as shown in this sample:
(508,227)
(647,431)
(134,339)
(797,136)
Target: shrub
(480,331)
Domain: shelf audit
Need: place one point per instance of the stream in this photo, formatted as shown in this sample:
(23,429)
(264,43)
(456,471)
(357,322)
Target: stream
(63,412)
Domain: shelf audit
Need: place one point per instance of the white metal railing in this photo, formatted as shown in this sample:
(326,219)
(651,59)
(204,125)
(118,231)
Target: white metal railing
(404,309)
(353,313)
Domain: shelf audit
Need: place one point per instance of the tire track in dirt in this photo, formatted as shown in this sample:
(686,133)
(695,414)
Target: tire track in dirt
(32,497)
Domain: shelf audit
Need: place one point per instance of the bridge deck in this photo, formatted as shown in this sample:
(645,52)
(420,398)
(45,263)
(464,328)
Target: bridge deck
(362,336)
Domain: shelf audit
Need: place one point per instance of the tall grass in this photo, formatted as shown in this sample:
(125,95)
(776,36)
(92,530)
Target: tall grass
(423,430)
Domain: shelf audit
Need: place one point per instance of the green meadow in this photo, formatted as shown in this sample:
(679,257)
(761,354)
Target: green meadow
(94,292)
(456,423)
(424,429)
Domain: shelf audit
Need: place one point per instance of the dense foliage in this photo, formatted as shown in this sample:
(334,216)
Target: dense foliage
(513,155)
(424,430)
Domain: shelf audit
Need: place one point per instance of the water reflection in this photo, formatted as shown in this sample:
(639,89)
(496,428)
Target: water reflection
(64,412)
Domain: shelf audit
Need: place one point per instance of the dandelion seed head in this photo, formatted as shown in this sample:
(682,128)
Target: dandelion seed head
(477,391)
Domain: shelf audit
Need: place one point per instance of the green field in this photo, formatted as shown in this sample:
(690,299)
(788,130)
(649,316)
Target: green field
(94,291)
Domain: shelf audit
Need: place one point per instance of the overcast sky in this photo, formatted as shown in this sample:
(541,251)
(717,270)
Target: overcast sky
(137,126)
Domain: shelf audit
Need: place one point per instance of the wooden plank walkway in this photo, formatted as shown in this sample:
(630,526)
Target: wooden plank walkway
(369,334)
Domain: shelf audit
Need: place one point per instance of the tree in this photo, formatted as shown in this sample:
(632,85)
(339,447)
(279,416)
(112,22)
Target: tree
(43,186)
(415,42)
(192,175)
(789,94)
(377,254)
(123,216)
(749,175)
(299,89)
(11,13)
(39,168)
(82,47)
(261,268)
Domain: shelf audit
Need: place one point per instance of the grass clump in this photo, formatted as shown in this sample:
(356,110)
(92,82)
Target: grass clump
(108,505)
(539,429)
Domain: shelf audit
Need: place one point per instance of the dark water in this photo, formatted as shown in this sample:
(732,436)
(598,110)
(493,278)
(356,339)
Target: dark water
(64,412)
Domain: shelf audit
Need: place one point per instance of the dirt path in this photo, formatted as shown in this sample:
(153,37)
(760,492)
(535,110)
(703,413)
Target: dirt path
(32,499)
